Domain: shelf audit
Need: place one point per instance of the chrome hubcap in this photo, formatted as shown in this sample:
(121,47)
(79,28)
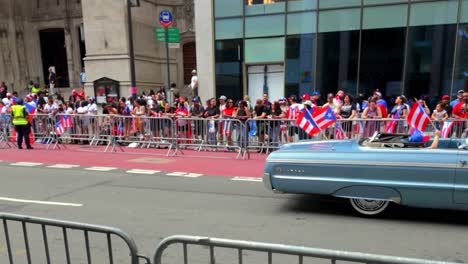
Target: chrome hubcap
(369,205)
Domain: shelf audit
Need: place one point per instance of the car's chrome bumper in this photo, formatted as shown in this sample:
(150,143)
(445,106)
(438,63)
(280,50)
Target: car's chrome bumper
(267,181)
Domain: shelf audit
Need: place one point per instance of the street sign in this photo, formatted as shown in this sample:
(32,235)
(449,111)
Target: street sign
(174,45)
(173,35)
(166,19)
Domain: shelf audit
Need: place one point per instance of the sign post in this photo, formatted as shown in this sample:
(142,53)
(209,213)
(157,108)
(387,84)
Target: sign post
(166,20)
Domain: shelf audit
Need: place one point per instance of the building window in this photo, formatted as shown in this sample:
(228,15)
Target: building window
(300,73)
(229,63)
(382,59)
(256,7)
(461,67)
(430,60)
(228,8)
(337,61)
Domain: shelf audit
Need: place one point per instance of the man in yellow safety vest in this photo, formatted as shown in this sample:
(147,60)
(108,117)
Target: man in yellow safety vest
(20,120)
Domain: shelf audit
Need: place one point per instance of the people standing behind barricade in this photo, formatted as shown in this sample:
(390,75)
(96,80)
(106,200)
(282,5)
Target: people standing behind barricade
(372,111)
(222,106)
(423,104)
(348,112)
(445,103)
(336,108)
(138,112)
(20,121)
(458,100)
(292,114)
(242,113)
(50,108)
(261,112)
(381,103)
(276,113)
(228,125)
(212,112)
(439,115)
(247,101)
(400,111)
(460,111)
(316,99)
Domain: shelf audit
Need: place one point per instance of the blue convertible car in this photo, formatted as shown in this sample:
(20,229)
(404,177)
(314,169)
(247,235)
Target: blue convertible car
(374,172)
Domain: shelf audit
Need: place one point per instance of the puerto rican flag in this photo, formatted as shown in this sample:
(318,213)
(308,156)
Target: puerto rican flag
(59,129)
(418,118)
(313,124)
(340,134)
(67,121)
(447,129)
(31,110)
(391,127)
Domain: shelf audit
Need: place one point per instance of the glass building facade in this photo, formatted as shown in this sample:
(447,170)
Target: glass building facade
(283,47)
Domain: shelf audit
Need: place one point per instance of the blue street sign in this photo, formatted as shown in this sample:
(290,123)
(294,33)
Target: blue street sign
(165,18)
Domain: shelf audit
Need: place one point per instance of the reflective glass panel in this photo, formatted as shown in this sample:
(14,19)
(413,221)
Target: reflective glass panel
(434,13)
(430,60)
(338,3)
(461,68)
(300,23)
(382,59)
(225,8)
(257,7)
(378,2)
(339,20)
(261,26)
(337,61)
(264,50)
(300,64)
(298,5)
(229,78)
(385,16)
(464,12)
(229,28)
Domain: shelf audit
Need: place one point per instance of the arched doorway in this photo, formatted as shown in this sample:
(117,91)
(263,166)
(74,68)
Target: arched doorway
(54,53)
(190,60)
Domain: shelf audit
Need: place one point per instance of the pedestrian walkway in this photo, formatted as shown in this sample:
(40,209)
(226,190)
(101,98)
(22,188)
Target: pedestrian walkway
(206,163)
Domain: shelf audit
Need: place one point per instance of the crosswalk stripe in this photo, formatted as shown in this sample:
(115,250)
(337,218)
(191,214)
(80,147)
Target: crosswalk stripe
(63,166)
(184,174)
(249,179)
(100,168)
(149,172)
(26,164)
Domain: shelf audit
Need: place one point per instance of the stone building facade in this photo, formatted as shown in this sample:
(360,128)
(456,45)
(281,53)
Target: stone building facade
(72,34)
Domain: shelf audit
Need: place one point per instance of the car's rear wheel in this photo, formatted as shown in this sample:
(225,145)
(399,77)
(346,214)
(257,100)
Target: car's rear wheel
(369,207)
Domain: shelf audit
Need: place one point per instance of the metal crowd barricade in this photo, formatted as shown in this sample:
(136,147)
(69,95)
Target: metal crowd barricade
(228,134)
(272,251)
(267,135)
(6,128)
(19,235)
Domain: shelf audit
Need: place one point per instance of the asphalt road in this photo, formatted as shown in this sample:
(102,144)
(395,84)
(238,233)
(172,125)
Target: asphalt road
(151,207)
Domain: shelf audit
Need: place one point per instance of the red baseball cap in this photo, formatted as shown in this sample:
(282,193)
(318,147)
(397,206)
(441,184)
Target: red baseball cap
(306,97)
(445,97)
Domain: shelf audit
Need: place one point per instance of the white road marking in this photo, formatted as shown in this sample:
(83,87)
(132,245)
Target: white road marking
(39,202)
(249,179)
(149,172)
(184,174)
(100,168)
(63,166)
(26,164)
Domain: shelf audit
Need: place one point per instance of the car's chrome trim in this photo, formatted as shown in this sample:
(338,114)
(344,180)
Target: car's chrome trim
(267,181)
(373,182)
(396,200)
(369,163)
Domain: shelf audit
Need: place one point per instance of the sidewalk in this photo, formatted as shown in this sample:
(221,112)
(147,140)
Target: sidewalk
(207,163)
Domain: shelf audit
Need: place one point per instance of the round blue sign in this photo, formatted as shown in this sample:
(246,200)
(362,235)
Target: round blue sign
(165,18)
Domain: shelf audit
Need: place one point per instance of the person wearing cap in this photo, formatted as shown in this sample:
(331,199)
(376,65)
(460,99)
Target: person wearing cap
(331,102)
(316,99)
(194,83)
(20,120)
(458,100)
(446,104)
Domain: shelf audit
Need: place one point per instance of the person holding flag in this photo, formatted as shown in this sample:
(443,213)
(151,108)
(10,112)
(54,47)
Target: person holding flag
(460,110)
(316,122)
(20,120)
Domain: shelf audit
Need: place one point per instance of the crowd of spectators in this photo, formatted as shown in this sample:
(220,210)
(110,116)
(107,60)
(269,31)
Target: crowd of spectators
(155,104)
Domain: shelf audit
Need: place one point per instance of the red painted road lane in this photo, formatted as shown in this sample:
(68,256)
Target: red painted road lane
(206,163)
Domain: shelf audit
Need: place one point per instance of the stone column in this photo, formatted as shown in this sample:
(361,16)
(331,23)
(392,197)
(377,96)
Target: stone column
(105,27)
(205,48)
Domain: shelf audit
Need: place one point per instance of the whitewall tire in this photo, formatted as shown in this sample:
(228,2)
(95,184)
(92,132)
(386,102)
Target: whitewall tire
(369,207)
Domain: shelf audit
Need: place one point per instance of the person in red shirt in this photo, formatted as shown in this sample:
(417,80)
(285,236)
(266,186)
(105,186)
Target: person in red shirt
(182,125)
(460,111)
(228,113)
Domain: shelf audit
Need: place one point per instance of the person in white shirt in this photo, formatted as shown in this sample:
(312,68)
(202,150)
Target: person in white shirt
(92,106)
(50,108)
(194,83)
